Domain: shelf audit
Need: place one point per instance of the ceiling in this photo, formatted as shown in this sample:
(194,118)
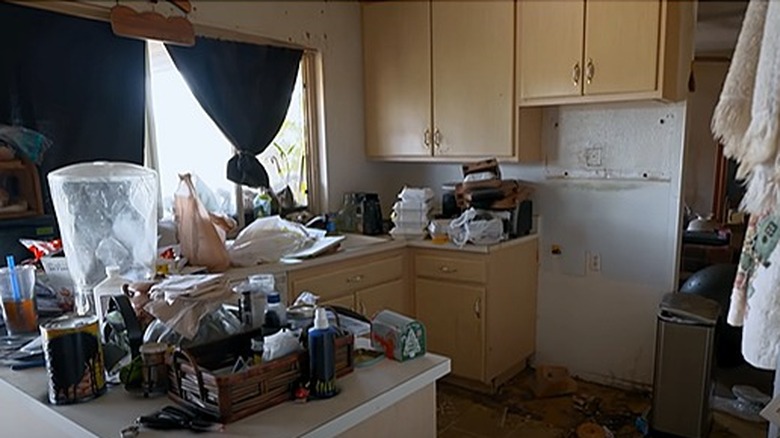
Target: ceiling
(718,26)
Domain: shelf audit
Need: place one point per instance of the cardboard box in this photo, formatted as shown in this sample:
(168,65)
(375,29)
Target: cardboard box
(400,337)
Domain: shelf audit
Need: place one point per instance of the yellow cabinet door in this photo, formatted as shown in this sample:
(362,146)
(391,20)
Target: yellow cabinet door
(454,322)
(390,296)
(473,78)
(397,78)
(549,45)
(347,301)
(621,46)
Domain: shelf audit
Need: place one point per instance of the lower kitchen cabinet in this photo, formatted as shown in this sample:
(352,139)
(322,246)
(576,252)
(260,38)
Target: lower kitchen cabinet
(452,314)
(389,296)
(365,284)
(347,301)
(479,306)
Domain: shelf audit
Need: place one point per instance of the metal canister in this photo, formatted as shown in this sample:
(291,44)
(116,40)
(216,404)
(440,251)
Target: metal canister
(74,359)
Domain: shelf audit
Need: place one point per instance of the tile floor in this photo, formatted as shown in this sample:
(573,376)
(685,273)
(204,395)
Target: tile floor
(514,412)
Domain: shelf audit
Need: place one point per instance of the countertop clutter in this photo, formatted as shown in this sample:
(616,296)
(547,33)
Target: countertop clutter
(362,405)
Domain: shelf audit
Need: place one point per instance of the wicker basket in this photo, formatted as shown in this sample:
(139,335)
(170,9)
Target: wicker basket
(230,397)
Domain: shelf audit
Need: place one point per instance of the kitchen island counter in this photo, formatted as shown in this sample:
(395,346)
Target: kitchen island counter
(387,399)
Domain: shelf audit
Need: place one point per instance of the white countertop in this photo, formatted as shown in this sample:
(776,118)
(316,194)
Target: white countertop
(364,393)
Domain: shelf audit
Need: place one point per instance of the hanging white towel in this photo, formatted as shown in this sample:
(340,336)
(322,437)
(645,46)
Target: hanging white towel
(747,122)
(747,117)
(731,118)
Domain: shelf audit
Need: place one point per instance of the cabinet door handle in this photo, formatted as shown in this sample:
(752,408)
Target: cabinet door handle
(362,308)
(591,71)
(477,308)
(576,72)
(355,279)
(447,269)
(437,139)
(427,139)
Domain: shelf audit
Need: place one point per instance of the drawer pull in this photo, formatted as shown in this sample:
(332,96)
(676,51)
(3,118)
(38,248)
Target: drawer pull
(477,309)
(355,279)
(448,270)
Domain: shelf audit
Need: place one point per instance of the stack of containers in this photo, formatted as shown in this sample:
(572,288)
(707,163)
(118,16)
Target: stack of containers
(411,213)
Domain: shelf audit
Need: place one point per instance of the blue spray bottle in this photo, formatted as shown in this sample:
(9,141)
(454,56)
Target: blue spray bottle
(322,357)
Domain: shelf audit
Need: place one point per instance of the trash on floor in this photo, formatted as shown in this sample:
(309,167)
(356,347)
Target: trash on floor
(552,381)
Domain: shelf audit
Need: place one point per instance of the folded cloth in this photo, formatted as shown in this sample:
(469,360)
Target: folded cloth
(181,302)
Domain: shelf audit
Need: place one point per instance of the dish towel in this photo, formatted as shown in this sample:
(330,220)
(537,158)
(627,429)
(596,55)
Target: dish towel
(747,123)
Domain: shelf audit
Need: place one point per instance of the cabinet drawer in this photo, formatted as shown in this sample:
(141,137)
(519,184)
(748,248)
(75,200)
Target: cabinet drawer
(346,279)
(447,268)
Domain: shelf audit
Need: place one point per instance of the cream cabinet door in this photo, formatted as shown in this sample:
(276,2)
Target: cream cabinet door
(345,301)
(621,46)
(397,76)
(390,296)
(473,71)
(549,48)
(454,322)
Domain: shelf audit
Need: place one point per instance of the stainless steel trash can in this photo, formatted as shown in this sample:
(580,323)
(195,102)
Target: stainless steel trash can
(682,384)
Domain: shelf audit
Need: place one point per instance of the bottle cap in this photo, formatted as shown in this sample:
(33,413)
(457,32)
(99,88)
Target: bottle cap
(273,298)
(320,318)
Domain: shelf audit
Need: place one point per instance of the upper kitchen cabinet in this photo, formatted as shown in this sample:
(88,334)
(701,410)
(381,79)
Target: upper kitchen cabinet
(397,72)
(439,82)
(602,50)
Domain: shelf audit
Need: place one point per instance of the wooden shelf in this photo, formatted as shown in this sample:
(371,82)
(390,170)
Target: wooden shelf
(12,165)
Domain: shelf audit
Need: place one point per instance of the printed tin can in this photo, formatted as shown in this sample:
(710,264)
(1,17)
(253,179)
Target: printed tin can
(74,359)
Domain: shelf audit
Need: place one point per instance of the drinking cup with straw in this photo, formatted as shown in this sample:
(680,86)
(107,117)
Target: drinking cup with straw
(17,285)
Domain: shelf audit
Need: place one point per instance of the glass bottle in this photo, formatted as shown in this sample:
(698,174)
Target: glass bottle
(346,220)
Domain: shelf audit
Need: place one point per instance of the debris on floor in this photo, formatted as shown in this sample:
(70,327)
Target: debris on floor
(515,412)
(551,380)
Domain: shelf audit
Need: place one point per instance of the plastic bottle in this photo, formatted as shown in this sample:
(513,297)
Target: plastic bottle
(275,312)
(322,357)
(110,286)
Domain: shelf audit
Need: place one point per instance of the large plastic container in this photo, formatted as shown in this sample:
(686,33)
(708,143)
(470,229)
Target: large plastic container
(107,216)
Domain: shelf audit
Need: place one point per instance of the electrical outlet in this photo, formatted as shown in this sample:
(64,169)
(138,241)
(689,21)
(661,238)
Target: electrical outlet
(593,157)
(593,260)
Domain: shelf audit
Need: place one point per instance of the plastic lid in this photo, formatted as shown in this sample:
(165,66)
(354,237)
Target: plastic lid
(113,271)
(320,318)
(101,171)
(273,298)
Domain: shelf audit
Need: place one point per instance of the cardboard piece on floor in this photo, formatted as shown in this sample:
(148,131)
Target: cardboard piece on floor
(551,381)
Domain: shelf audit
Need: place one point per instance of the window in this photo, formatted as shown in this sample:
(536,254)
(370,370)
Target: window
(185,139)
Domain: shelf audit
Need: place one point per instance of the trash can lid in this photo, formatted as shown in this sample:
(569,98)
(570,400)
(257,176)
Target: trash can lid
(690,308)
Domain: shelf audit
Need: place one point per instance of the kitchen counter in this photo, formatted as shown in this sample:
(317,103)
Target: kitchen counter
(398,398)
(356,245)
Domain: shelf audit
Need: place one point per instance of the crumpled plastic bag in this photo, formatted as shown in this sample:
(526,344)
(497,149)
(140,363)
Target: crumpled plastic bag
(267,240)
(29,143)
(201,233)
(478,227)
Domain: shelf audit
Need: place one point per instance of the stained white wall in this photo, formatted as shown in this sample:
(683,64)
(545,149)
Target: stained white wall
(601,325)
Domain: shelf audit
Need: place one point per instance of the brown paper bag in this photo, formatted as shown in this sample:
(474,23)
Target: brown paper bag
(202,240)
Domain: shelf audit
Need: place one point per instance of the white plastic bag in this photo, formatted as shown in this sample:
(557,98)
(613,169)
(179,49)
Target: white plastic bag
(267,240)
(477,227)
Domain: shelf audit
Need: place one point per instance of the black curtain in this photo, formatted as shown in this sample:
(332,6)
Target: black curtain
(74,81)
(246,90)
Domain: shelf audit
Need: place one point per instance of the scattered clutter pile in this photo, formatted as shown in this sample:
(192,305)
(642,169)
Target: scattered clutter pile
(411,213)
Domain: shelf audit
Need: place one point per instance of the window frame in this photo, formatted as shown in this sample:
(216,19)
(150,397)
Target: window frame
(310,77)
